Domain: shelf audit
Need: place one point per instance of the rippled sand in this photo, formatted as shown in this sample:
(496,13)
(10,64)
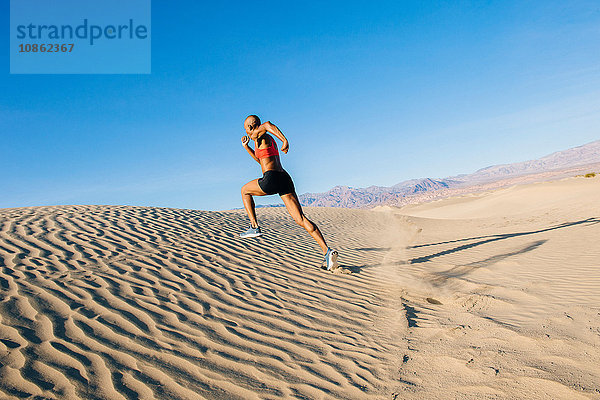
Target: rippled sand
(116,302)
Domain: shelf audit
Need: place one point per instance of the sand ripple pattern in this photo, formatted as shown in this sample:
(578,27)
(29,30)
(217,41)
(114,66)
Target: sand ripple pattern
(116,302)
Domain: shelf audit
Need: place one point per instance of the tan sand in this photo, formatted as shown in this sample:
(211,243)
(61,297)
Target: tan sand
(116,302)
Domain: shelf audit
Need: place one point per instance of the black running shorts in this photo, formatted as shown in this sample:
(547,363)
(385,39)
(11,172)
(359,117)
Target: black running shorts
(276,182)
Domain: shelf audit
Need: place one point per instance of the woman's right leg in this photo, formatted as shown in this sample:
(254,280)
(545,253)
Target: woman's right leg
(248,190)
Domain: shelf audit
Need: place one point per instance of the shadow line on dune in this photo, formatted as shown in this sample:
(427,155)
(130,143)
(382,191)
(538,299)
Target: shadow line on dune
(592,220)
(492,238)
(489,239)
(461,270)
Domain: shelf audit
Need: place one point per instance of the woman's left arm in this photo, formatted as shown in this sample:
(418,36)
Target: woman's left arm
(275,131)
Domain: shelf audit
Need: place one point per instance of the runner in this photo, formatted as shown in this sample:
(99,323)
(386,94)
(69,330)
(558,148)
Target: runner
(275,180)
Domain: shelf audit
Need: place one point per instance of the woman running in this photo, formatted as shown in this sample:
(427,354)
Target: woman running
(275,180)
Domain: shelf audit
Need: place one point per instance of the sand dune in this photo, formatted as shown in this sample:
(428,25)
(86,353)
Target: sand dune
(116,302)
(571,196)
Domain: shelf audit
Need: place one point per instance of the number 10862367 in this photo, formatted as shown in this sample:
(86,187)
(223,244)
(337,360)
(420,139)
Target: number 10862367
(46,48)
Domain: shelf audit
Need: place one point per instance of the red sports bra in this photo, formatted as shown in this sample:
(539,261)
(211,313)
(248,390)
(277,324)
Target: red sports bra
(269,151)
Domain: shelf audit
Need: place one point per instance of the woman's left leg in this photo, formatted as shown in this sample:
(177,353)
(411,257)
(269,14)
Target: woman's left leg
(295,209)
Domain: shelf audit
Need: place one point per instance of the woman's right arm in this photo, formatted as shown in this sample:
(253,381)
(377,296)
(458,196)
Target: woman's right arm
(245,141)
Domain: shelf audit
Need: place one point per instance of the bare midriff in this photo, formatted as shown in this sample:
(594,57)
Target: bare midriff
(270,164)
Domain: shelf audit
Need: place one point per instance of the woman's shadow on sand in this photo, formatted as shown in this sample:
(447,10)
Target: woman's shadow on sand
(464,269)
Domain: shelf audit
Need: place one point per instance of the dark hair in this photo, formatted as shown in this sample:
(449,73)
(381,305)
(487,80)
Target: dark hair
(255,119)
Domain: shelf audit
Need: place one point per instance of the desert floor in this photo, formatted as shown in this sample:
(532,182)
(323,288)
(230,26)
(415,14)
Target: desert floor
(487,296)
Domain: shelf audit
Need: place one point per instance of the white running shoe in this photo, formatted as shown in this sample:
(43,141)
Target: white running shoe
(330,261)
(252,232)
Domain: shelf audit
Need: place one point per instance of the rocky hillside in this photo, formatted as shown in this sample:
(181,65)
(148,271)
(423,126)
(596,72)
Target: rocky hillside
(344,196)
(586,154)
(425,189)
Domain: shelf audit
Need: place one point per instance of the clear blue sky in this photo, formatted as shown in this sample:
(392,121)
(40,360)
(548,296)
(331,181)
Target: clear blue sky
(369,93)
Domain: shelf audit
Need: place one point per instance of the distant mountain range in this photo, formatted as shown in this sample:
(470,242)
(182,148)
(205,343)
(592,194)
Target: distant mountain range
(555,165)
